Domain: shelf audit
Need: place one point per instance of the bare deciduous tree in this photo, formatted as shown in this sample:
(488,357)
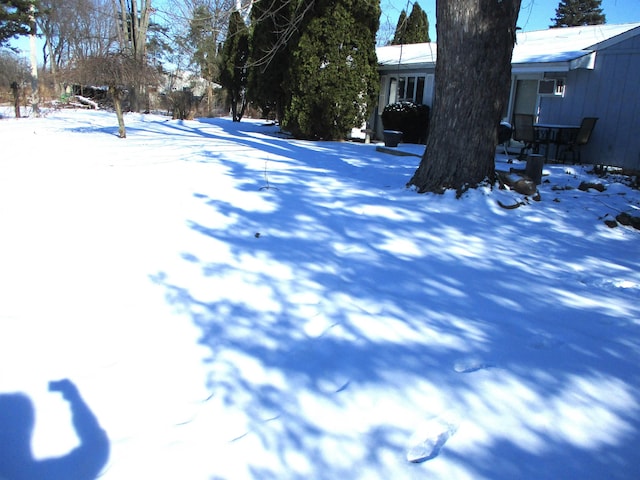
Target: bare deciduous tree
(133,26)
(12,69)
(75,30)
(116,70)
(14,74)
(204,37)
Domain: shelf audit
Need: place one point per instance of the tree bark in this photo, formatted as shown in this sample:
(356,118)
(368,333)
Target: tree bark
(132,35)
(35,94)
(238,100)
(472,81)
(53,67)
(238,105)
(15,89)
(116,94)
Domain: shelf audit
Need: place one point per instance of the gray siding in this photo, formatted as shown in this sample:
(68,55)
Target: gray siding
(610,92)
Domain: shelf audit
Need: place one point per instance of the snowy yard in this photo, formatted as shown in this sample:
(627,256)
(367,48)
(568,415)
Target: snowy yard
(233,304)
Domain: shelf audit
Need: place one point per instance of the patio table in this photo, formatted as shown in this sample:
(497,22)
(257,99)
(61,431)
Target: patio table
(556,133)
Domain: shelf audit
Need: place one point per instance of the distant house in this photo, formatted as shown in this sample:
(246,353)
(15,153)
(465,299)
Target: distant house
(560,75)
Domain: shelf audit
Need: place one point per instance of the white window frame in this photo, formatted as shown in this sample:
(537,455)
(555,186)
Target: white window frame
(551,87)
(398,88)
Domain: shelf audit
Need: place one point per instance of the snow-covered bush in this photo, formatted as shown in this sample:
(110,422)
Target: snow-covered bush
(409,118)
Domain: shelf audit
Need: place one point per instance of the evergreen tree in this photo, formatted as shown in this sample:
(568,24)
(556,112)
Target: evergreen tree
(334,73)
(204,38)
(271,37)
(401,27)
(575,13)
(235,54)
(15,19)
(417,26)
(412,29)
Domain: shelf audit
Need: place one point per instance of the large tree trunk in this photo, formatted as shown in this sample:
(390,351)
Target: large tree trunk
(15,89)
(473,74)
(238,100)
(234,107)
(132,35)
(117,94)
(243,106)
(209,98)
(35,94)
(53,67)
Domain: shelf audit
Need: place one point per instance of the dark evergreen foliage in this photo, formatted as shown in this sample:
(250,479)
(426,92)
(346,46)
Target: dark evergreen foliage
(333,76)
(15,19)
(271,37)
(417,26)
(412,29)
(233,74)
(401,27)
(576,13)
(203,35)
(409,118)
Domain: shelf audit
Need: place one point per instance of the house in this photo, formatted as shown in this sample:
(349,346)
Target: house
(560,75)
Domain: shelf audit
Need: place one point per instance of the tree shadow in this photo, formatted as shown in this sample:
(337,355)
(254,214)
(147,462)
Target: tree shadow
(360,312)
(17,421)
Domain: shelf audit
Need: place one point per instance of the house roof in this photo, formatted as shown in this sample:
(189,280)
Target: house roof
(551,49)
(411,55)
(566,45)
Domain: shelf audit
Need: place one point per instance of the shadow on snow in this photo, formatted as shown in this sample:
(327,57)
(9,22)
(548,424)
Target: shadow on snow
(330,299)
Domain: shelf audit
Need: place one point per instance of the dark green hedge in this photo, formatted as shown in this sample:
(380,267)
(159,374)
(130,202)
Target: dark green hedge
(409,118)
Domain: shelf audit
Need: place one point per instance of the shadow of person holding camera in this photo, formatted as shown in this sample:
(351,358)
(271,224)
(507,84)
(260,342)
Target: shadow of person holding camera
(17,420)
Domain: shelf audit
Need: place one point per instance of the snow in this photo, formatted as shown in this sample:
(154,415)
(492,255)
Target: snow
(234,304)
(414,53)
(532,47)
(565,44)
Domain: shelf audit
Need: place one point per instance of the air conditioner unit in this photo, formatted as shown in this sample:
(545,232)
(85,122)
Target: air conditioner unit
(551,87)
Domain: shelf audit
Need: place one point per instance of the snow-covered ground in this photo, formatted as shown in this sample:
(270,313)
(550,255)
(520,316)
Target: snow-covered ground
(233,304)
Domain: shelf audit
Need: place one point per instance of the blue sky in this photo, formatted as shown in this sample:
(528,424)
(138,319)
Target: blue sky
(534,14)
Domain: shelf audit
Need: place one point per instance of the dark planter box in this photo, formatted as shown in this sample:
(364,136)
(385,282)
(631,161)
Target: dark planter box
(392,138)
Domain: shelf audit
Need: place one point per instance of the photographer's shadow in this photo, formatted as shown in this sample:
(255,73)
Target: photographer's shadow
(17,418)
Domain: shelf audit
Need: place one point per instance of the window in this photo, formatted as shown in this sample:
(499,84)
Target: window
(407,89)
(551,87)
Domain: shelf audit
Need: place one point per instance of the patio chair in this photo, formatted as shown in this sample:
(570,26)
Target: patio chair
(504,135)
(525,133)
(581,138)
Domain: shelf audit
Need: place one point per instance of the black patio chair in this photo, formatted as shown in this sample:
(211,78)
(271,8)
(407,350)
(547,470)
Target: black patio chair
(581,138)
(525,133)
(505,131)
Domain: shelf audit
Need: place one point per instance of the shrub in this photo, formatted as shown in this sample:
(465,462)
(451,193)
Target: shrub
(409,118)
(333,77)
